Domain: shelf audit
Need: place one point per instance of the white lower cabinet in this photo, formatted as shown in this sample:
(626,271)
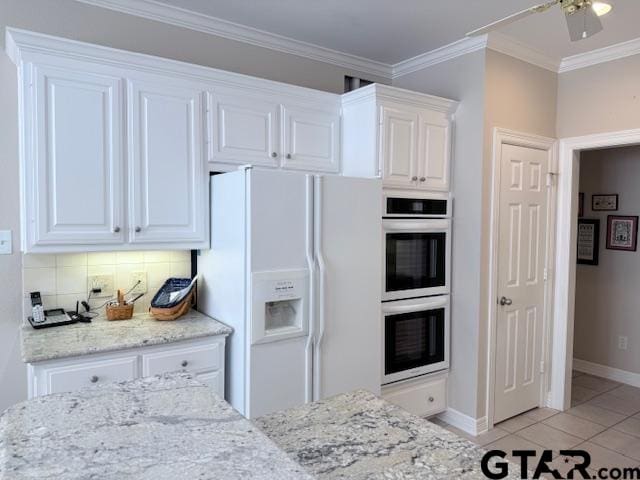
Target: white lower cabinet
(423,397)
(203,357)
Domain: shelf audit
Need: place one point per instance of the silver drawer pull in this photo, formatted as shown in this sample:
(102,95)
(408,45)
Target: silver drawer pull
(422,179)
(414,179)
(94,379)
(116,229)
(274,154)
(184,363)
(431,399)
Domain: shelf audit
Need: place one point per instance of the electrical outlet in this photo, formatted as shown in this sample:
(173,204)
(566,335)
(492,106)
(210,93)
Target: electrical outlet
(104,282)
(622,342)
(139,277)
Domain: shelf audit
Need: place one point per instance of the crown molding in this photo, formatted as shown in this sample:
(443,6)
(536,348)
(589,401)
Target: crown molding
(26,46)
(378,91)
(512,47)
(601,55)
(154,10)
(439,55)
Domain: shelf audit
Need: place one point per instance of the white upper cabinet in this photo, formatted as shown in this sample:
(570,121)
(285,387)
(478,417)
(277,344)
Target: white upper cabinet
(272,130)
(244,129)
(398,145)
(311,139)
(167,179)
(434,151)
(408,144)
(72,148)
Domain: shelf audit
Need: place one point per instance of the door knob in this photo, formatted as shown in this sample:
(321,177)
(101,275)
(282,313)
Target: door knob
(94,379)
(116,229)
(422,179)
(138,229)
(414,179)
(274,154)
(505,301)
(289,156)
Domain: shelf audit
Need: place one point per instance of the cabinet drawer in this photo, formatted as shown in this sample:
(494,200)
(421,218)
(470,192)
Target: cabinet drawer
(75,376)
(192,359)
(423,399)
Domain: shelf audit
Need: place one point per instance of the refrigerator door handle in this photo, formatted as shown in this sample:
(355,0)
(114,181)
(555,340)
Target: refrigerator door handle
(309,347)
(322,268)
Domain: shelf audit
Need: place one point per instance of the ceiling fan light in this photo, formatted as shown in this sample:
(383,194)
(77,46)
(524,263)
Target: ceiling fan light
(601,8)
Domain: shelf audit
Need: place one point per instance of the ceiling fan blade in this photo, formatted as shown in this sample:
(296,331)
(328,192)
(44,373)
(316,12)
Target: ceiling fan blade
(512,18)
(583,24)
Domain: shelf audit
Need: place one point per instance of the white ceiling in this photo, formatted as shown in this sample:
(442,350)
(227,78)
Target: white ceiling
(392,31)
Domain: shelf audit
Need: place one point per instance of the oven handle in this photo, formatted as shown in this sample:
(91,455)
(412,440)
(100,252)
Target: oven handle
(416,225)
(415,307)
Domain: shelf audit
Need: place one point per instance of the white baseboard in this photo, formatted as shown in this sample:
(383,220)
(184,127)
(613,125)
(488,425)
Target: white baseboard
(470,425)
(610,373)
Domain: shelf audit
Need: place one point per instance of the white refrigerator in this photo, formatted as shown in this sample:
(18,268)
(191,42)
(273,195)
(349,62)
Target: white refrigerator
(294,267)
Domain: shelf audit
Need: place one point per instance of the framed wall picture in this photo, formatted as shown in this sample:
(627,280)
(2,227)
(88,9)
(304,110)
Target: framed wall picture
(588,241)
(580,205)
(622,233)
(604,203)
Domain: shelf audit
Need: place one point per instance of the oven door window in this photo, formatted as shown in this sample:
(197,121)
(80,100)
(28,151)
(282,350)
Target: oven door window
(415,260)
(413,340)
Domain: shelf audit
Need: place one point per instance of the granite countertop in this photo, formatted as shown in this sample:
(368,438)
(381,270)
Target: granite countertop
(156,428)
(360,436)
(103,335)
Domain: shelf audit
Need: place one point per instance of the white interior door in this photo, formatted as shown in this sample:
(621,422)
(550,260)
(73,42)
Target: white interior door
(521,293)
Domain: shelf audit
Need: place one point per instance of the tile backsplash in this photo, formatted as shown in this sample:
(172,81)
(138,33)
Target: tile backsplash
(63,279)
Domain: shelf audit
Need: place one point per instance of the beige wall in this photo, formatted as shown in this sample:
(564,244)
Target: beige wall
(462,79)
(520,97)
(495,90)
(600,98)
(607,300)
(71,19)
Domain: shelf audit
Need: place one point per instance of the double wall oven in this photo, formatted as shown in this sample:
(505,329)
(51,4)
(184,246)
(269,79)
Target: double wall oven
(416,267)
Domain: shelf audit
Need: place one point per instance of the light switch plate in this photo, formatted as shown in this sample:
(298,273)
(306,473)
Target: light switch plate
(5,242)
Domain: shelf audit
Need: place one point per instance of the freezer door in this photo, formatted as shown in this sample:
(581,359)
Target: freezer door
(348,248)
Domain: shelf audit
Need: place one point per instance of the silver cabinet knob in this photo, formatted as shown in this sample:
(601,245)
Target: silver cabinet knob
(94,379)
(414,179)
(289,156)
(184,363)
(431,399)
(274,154)
(116,229)
(505,301)
(422,179)
(138,229)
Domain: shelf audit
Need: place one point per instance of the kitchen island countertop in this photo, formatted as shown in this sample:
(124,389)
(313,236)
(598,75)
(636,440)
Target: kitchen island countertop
(359,436)
(158,428)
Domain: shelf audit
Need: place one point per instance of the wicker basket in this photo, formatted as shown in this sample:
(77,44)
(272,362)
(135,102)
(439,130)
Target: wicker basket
(172,313)
(121,311)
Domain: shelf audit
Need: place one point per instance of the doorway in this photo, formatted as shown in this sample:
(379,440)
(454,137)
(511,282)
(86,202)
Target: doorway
(566,256)
(521,240)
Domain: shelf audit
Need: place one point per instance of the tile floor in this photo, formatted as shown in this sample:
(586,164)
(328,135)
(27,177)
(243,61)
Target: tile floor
(604,420)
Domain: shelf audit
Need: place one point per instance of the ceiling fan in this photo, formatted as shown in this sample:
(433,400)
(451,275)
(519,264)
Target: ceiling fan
(581,15)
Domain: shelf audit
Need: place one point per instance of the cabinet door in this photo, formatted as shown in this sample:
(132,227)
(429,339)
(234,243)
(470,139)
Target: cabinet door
(73,189)
(398,138)
(434,152)
(167,167)
(244,129)
(311,139)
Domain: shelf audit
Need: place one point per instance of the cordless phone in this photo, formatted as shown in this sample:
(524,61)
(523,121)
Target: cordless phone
(37,310)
